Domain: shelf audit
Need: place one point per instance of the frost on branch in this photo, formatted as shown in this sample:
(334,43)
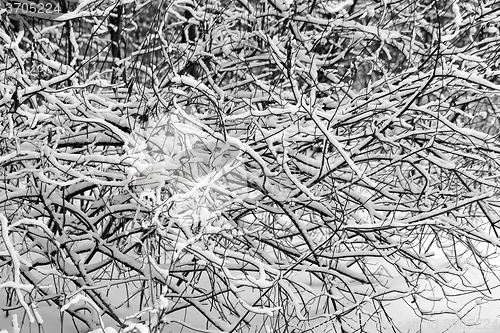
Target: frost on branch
(282,165)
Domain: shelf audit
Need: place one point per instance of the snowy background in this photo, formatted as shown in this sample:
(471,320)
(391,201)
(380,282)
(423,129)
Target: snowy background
(250,166)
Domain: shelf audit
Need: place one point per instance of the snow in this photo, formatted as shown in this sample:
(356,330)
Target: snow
(106,330)
(259,310)
(477,315)
(139,328)
(297,251)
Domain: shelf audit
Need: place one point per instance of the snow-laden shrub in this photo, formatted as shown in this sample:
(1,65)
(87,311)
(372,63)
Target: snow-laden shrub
(293,166)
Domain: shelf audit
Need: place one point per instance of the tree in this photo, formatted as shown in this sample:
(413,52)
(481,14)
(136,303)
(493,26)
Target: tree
(290,166)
